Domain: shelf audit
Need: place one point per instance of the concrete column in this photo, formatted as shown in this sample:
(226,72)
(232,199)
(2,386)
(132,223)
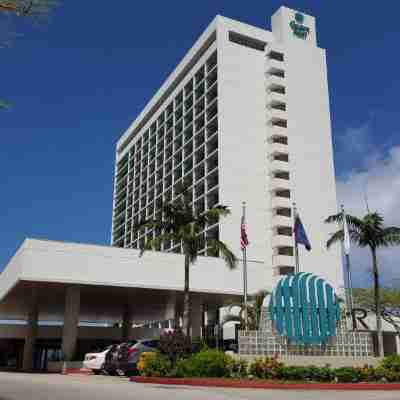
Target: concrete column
(196,316)
(71,321)
(171,311)
(126,324)
(397,344)
(31,330)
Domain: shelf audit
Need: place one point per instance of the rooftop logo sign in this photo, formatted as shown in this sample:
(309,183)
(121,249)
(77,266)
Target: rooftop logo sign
(299,29)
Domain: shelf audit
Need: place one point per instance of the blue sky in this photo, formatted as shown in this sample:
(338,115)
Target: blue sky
(77,83)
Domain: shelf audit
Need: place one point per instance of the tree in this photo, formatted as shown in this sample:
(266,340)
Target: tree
(370,232)
(254,309)
(180,224)
(27,8)
(33,9)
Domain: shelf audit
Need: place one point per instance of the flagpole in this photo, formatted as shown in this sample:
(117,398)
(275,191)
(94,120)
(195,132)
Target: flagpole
(245,274)
(349,291)
(296,248)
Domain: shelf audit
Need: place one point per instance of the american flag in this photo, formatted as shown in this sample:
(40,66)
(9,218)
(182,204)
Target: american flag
(244,241)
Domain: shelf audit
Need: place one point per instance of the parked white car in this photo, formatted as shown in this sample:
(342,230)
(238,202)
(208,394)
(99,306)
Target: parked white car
(95,361)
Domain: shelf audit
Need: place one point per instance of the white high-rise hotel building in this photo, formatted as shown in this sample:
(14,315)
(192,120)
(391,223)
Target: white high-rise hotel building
(243,117)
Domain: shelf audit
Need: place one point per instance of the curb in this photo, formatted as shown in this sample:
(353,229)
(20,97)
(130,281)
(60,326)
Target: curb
(80,371)
(250,384)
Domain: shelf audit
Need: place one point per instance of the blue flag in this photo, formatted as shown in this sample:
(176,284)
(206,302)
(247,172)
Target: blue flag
(300,235)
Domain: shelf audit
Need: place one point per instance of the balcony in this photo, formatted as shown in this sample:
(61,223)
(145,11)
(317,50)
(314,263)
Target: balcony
(282,241)
(280,220)
(276,114)
(272,65)
(274,83)
(276,97)
(279,184)
(278,148)
(276,132)
(281,202)
(279,166)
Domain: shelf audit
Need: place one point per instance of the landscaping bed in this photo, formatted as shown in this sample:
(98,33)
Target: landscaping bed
(179,363)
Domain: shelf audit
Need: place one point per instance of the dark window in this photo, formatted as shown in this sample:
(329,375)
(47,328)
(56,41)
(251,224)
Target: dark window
(285,251)
(286,270)
(285,212)
(246,41)
(275,55)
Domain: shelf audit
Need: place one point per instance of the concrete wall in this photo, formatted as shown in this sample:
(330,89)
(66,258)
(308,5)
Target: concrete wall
(334,362)
(242,132)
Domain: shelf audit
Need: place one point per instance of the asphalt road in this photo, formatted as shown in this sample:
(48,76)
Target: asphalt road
(18,386)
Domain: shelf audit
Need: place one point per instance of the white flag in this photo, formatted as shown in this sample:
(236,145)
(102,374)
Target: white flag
(346,238)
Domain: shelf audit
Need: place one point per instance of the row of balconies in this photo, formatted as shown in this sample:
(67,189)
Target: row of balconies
(279,166)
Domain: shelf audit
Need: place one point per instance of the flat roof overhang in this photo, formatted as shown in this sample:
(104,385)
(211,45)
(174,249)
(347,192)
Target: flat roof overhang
(110,276)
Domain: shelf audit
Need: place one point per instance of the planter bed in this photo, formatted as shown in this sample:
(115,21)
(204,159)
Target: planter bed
(263,384)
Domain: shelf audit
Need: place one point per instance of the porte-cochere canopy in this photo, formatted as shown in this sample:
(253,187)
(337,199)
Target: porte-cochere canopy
(305,309)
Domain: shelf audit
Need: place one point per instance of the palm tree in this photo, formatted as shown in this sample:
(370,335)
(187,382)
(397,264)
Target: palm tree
(368,231)
(254,309)
(179,223)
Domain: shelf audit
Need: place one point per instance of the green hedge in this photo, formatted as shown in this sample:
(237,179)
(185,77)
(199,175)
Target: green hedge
(216,364)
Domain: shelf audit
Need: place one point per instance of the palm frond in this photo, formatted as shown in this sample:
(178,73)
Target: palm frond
(391,235)
(335,237)
(155,244)
(227,255)
(352,221)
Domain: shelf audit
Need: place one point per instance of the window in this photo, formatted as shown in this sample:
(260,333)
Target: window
(281,157)
(286,270)
(246,41)
(275,55)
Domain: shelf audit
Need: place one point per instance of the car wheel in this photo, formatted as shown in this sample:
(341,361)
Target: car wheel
(120,372)
(97,371)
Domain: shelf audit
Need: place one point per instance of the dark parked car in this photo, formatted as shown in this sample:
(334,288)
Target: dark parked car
(127,356)
(122,359)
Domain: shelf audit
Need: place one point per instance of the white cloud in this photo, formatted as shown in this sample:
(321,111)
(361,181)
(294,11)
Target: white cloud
(379,181)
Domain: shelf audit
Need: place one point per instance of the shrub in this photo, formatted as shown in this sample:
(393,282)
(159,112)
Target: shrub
(183,368)
(346,374)
(294,373)
(206,363)
(175,345)
(154,364)
(266,368)
(238,368)
(367,373)
(391,363)
(321,374)
(386,375)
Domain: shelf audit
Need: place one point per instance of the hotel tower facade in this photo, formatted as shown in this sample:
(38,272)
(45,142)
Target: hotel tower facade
(244,117)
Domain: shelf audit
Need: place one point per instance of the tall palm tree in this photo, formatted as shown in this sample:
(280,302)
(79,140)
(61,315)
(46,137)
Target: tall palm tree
(368,231)
(179,223)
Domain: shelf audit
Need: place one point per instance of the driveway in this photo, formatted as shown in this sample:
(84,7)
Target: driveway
(19,386)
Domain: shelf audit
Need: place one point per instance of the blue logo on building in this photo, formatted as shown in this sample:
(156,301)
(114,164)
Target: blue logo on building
(298,27)
(305,309)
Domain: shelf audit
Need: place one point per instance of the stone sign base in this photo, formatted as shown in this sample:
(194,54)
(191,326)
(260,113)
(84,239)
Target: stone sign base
(266,342)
